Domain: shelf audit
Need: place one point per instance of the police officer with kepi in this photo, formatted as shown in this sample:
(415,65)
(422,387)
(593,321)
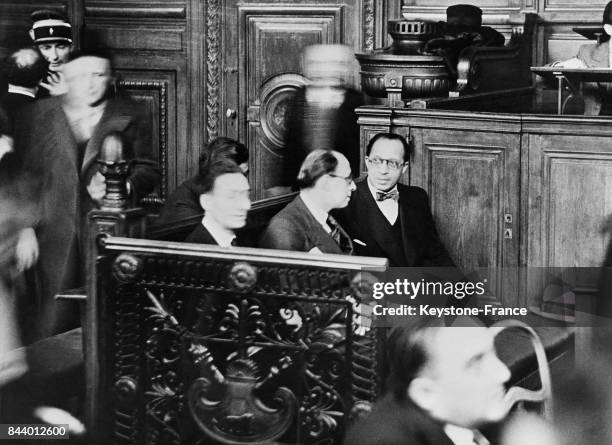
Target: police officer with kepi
(52,34)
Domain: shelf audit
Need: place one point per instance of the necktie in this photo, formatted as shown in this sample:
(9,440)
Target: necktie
(340,236)
(393,194)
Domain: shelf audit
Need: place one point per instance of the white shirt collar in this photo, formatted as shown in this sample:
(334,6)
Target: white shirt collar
(221,235)
(22,90)
(373,190)
(459,435)
(319,214)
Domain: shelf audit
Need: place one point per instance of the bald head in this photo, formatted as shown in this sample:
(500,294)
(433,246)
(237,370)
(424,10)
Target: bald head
(326,175)
(24,68)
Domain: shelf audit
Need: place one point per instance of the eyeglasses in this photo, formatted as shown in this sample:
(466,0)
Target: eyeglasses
(348,179)
(392,164)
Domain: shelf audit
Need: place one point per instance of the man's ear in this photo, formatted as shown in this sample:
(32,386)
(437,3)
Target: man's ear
(204,201)
(422,392)
(404,168)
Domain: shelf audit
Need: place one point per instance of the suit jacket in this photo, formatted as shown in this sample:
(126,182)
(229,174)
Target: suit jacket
(201,235)
(294,228)
(50,152)
(183,203)
(420,242)
(394,422)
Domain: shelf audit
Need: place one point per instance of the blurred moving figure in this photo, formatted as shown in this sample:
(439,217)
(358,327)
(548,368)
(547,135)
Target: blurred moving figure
(52,34)
(15,216)
(61,138)
(445,384)
(184,201)
(322,115)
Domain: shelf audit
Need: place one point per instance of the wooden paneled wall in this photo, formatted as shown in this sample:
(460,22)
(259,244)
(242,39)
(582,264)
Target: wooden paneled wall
(210,67)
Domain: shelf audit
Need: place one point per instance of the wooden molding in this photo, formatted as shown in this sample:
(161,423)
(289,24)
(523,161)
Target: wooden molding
(213,29)
(162,88)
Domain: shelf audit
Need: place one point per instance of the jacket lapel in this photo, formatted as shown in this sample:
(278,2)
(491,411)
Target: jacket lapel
(408,224)
(315,232)
(112,120)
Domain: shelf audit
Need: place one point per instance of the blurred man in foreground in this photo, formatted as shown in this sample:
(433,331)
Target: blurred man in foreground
(61,138)
(445,383)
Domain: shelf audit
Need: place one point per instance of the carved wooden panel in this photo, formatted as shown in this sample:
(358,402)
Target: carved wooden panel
(513,4)
(154,91)
(575,4)
(569,193)
(472,181)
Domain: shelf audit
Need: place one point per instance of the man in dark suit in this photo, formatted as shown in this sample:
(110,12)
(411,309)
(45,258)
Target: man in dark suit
(23,70)
(224,197)
(444,384)
(388,219)
(305,225)
(60,138)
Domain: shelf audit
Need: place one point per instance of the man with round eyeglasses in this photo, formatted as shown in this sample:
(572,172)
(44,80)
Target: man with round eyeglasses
(387,219)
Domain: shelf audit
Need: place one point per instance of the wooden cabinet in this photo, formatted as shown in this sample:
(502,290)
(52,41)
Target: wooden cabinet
(511,190)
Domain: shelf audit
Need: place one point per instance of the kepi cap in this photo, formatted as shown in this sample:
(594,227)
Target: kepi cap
(50,26)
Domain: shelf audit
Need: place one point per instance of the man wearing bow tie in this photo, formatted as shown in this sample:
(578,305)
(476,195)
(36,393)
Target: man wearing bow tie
(388,219)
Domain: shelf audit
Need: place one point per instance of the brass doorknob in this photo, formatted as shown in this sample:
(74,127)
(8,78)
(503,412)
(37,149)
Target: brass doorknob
(231,113)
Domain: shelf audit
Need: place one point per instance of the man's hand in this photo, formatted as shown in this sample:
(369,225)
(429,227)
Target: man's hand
(26,251)
(54,82)
(97,187)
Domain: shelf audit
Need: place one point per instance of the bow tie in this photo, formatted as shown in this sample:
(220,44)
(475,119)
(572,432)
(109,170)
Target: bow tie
(392,194)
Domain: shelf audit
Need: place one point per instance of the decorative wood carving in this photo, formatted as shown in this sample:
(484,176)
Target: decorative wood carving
(368,24)
(213,59)
(136,11)
(202,344)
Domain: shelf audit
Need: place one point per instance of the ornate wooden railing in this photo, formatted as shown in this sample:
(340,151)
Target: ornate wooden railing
(193,344)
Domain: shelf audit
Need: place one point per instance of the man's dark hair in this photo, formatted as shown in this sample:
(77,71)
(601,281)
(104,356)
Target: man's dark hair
(407,353)
(390,137)
(317,163)
(205,180)
(25,68)
(223,148)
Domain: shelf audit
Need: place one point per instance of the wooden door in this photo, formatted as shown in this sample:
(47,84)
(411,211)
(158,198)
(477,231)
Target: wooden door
(261,48)
(471,173)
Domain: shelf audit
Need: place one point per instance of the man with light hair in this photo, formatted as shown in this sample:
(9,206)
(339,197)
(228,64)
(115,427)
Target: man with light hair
(305,225)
